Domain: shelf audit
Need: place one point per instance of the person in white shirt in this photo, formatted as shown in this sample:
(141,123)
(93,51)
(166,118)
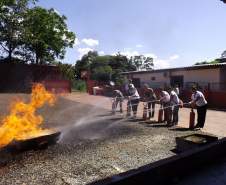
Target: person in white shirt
(177,90)
(117,99)
(199,101)
(165,101)
(133,100)
(174,102)
(127,85)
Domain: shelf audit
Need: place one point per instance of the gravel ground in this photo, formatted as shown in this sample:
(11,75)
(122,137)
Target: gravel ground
(93,145)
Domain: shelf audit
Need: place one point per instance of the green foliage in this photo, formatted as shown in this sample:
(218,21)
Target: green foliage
(32,34)
(104,68)
(12,14)
(79,85)
(142,62)
(47,35)
(102,73)
(216,61)
(67,70)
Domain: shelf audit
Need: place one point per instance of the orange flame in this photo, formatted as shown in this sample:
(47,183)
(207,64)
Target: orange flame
(23,123)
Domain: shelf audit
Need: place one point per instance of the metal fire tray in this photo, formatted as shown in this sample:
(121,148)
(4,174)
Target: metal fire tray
(185,143)
(35,143)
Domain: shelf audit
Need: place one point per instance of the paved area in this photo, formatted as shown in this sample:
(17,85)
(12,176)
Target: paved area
(215,120)
(95,144)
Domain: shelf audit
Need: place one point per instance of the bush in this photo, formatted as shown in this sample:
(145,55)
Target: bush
(79,85)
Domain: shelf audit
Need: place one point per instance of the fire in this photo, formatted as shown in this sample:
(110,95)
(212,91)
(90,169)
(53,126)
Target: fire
(22,122)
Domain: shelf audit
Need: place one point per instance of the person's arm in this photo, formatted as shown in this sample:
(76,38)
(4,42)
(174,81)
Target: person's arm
(196,98)
(154,96)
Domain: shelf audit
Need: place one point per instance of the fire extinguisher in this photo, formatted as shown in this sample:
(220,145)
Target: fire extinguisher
(160,116)
(192,119)
(145,111)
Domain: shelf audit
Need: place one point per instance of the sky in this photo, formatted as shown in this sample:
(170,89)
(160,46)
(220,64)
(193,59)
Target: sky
(174,32)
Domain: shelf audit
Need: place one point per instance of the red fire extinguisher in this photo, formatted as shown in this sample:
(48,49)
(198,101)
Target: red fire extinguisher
(192,119)
(145,111)
(160,116)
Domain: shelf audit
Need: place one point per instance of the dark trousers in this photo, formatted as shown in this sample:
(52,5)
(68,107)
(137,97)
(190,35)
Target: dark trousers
(134,105)
(201,111)
(175,114)
(167,112)
(151,109)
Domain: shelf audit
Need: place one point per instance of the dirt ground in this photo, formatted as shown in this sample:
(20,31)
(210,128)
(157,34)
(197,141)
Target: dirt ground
(94,144)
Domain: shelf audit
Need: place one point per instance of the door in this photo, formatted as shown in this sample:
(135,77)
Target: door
(177,80)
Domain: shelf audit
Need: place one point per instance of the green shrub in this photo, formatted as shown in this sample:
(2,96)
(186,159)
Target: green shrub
(79,85)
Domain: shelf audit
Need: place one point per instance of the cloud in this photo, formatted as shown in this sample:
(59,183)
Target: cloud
(130,53)
(139,46)
(77,42)
(159,63)
(174,57)
(101,53)
(165,63)
(90,42)
(83,51)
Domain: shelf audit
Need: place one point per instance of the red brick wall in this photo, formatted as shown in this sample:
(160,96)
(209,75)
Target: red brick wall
(57,86)
(215,99)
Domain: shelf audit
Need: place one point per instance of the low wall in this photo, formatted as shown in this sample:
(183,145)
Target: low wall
(215,99)
(57,86)
(18,78)
(167,170)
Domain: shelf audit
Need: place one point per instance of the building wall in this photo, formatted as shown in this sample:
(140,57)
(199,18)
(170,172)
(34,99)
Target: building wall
(203,76)
(156,79)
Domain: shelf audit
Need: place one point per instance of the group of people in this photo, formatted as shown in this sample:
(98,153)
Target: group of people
(168,99)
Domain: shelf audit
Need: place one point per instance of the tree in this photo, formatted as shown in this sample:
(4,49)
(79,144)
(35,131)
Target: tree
(46,35)
(142,62)
(223,55)
(85,63)
(67,70)
(32,34)
(11,25)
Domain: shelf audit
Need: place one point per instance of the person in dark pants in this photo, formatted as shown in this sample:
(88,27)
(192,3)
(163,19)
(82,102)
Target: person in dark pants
(150,98)
(199,101)
(174,102)
(117,99)
(165,101)
(133,100)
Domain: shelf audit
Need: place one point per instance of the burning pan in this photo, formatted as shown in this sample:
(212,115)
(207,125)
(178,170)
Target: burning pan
(36,143)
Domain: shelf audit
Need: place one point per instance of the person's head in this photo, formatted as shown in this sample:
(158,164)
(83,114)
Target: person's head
(115,92)
(194,89)
(131,86)
(130,81)
(169,89)
(151,90)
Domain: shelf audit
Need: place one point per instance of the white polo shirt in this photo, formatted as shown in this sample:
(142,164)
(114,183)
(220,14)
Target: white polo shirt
(165,97)
(174,100)
(199,98)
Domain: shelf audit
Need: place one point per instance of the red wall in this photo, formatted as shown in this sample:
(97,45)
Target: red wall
(57,86)
(215,99)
